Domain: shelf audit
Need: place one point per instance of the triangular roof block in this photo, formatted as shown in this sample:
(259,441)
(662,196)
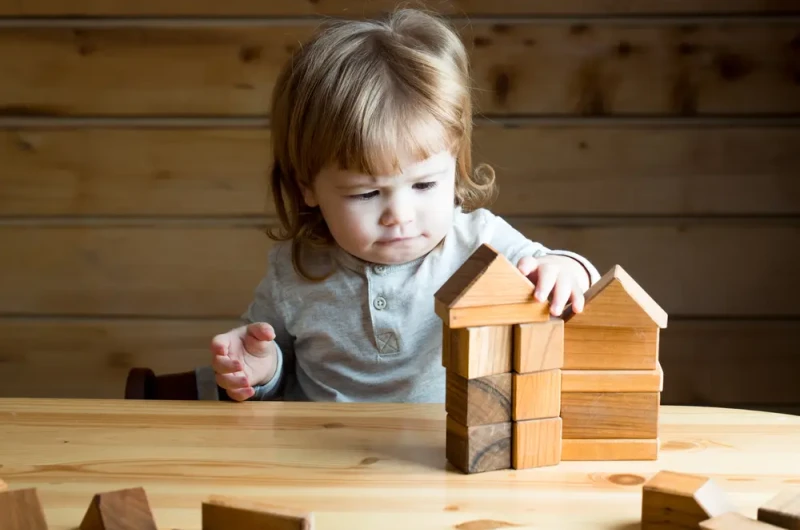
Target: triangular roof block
(487,278)
(672,497)
(616,300)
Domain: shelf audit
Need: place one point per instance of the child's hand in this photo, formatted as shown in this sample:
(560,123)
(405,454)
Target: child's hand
(551,274)
(244,357)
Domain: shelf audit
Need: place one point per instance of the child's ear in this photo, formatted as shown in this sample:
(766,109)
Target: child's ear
(309,196)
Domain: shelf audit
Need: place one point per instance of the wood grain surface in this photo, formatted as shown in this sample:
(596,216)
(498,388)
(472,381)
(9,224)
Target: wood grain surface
(361,465)
(594,68)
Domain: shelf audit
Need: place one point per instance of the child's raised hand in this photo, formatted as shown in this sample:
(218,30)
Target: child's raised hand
(244,357)
(551,274)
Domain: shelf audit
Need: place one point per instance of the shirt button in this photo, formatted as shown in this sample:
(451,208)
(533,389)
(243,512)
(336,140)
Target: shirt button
(380,303)
(379,269)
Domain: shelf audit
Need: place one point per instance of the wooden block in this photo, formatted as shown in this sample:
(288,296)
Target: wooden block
(604,415)
(21,510)
(607,450)
(599,348)
(505,314)
(480,448)
(479,401)
(225,513)
(487,278)
(734,521)
(537,395)
(537,443)
(538,346)
(446,348)
(679,500)
(782,510)
(612,380)
(480,351)
(125,509)
(616,300)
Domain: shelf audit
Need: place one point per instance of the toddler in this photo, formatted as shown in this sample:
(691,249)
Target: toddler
(379,205)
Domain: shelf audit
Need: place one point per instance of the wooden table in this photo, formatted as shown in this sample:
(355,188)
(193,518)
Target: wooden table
(359,466)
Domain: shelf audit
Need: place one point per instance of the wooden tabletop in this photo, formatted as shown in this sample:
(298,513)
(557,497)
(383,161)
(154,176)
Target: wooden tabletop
(374,466)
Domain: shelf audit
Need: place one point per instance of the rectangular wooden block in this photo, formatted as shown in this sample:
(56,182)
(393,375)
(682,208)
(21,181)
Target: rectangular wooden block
(609,348)
(604,415)
(478,449)
(681,500)
(537,443)
(21,510)
(612,380)
(782,510)
(539,346)
(480,351)
(446,348)
(479,401)
(505,314)
(536,395)
(126,509)
(587,450)
(225,513)
(734,521)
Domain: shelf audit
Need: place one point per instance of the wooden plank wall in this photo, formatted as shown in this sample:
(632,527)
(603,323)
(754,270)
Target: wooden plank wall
(663,136)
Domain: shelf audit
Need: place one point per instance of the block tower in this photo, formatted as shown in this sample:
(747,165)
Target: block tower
(526,390)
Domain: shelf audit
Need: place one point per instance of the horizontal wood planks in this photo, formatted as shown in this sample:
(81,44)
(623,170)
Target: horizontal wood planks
(542,169)
(705,362)
(355,8)
(697,269)
(519,67)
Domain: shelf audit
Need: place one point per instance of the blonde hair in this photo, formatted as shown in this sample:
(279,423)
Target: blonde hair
(356,94)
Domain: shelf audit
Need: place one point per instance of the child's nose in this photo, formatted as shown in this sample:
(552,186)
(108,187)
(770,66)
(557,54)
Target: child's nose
(398,213)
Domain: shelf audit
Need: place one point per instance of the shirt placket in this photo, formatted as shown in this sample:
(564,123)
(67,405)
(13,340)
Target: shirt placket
(386,338)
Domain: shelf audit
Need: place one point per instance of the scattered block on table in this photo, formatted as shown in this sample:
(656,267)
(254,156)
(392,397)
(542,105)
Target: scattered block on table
(611,348)
(479,351)
(616,300)
(782,510)
(603,415)
(613,380)
(734,521)
(478,401)
(488,289)
(537,395)
(480,448)
(21,510)
(126,509)
(226,513)
(680,500)
(538,346)
(537,443)
(585,450)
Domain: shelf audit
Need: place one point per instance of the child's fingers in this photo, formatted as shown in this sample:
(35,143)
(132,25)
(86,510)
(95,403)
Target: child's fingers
(241,394)
(221,344)
(527,265)
(261,331)
(578,300)
(234,381)
(561,295)
(254,345)
(547,280)
(222,364)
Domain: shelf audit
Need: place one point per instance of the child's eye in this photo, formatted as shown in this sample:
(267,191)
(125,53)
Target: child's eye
(364,196)
(424,185)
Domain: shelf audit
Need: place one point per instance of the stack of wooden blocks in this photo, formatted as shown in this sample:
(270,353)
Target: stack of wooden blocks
(527,390)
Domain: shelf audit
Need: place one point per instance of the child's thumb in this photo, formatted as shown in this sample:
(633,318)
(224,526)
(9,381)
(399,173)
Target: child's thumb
(258,337)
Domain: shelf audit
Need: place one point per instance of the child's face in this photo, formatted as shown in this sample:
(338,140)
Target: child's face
(388,219)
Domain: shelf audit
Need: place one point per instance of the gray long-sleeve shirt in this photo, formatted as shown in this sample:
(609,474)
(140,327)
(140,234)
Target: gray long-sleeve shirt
(369,332)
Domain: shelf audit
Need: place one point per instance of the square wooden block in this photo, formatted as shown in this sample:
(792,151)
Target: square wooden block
(536,395)
(537,443)
(479,351)
(479,401)
(478,449)
(21,510)
(539,346)
(610,348)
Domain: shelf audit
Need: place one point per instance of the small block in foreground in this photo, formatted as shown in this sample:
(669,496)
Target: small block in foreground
(681,500)
(226,513)
(782,510)
(21,510)
(734,521)
(119,510)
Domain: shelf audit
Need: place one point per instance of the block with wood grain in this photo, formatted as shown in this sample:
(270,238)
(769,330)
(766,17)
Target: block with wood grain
(681,500)
(735,521)
(119,510)
(21,509)
(224,513)
(479,401)
(480,448)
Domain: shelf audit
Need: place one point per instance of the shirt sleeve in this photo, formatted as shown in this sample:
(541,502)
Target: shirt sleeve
(514,245)
(268,306)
